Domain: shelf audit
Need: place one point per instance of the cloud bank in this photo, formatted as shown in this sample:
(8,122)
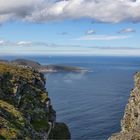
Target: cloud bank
(74,50)
(103,37)
(22,43)
(127,30)
(42,48)
(40,11)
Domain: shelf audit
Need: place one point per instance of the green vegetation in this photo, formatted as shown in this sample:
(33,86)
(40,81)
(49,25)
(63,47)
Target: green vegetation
(23,98)
(13,111)
(40,124)
(8,131)
(17,71)
(60,132)
(22,101)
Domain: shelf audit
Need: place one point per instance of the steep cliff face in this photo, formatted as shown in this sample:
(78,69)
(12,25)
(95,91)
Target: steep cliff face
(130,124)
(25,108)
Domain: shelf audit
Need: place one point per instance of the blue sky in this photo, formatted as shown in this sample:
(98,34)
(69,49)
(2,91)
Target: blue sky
(70,32)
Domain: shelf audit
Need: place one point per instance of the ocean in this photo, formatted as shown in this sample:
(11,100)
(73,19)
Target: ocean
(91,104)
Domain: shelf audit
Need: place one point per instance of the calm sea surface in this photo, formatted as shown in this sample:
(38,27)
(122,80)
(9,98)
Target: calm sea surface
(92,104)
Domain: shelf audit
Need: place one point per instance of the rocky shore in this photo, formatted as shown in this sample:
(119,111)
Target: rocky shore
(26,111)
(130,124)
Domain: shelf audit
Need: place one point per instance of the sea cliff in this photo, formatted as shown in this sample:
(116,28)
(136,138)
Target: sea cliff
(26,111)
(130,124)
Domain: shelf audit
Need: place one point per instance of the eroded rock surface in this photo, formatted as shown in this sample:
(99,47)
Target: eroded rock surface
(130,124)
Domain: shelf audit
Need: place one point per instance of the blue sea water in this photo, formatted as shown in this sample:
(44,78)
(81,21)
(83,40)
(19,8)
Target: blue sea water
(92,104)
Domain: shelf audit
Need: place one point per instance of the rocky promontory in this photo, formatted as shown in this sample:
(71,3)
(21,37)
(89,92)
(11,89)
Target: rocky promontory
(26,111)
(130,124)
(45,68)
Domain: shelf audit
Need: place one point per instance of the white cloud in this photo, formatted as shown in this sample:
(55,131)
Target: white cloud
(103,37)
(16,9)
(90,32)
(23,43)
(63,33)
(2,42)
(48,10)
(127,30)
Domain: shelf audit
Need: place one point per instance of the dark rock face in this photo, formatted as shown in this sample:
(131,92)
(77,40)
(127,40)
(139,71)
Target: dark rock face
(60,131)
(23,110)
(130,124)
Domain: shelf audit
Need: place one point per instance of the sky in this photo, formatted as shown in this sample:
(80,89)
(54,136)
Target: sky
(70,27)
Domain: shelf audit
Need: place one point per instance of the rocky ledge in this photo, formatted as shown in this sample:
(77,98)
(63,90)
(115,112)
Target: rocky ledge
(25,108)
(130,124)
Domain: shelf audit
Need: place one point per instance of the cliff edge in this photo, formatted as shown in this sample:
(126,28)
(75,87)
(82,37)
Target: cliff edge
(25,108)
(130,124)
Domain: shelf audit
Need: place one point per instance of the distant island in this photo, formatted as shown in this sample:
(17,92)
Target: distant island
(45,68)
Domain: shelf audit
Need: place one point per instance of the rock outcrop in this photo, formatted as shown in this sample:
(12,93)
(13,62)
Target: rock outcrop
(130,124)
(25,108)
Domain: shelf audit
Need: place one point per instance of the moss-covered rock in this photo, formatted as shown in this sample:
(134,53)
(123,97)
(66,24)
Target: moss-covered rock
(23,99)
(60,131)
